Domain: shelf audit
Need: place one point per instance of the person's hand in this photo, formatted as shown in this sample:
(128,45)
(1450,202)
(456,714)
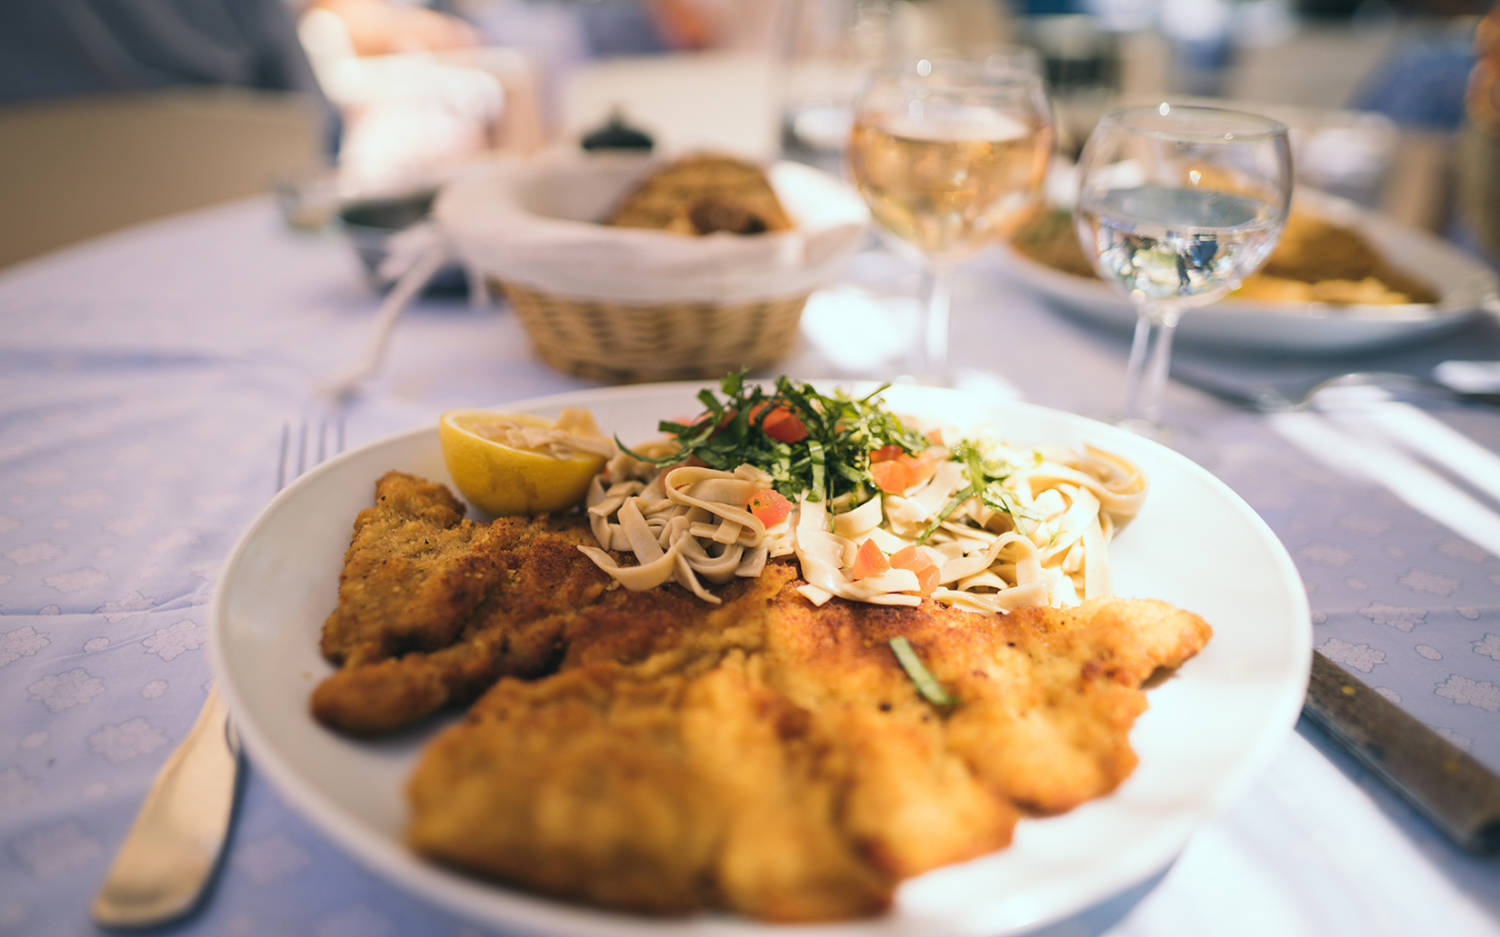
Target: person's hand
(378,27)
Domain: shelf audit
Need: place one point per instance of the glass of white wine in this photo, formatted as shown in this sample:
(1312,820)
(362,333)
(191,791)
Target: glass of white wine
(1177,205)
(946,152)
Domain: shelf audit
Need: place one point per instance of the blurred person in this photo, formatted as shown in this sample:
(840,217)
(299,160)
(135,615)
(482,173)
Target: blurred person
(55,49)
(1420,82)
(961,26)
(410,105)
(64,48)
(612,28)
(1479,140)
(381,27)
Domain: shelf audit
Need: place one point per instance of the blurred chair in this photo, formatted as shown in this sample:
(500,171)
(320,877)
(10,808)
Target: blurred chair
(75,168)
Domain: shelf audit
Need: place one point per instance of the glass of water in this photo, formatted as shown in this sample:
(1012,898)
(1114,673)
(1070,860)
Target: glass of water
(1177,205)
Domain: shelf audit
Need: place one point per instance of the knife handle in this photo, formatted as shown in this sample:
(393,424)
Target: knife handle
(1460,796)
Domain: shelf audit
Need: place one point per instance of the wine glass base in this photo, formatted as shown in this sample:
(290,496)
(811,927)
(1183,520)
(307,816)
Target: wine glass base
(1181,439)
(925,377)
(1143,427)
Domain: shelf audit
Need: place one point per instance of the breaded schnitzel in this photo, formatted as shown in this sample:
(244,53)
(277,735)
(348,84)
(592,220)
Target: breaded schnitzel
(653,752)
(434,608)
(777,761)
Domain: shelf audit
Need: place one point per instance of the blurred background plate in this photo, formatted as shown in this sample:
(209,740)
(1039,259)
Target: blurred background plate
(1466,288)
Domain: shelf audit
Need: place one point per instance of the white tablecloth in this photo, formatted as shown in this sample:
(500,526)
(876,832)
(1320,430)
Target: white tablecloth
(144,383)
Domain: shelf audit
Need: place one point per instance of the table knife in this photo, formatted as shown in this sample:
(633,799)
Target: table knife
(1460,796)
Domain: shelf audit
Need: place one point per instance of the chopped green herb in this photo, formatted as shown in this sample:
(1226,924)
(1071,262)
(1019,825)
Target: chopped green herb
(985,478)
(926,683)
(959,497)
(834,459)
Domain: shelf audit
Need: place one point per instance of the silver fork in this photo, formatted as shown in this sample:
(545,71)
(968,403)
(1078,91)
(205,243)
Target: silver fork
(172,851)
(1275,398)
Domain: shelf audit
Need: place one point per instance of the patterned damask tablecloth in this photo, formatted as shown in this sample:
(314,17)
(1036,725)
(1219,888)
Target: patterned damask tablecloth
(1405,601)
(144,383)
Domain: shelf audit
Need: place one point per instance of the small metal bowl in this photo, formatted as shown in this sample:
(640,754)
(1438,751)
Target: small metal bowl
(371,223)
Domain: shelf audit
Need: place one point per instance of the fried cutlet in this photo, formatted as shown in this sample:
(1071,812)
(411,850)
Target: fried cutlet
(774,758)
(653,752)
(433,608)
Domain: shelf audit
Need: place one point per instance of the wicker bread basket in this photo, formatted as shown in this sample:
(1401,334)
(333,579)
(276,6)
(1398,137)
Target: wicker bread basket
(626,305)
(623,343)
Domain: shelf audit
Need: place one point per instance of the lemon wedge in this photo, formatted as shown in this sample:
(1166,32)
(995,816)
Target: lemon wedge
(493,467)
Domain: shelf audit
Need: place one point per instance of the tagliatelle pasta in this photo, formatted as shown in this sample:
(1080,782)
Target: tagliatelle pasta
(685,525)
(1037,533)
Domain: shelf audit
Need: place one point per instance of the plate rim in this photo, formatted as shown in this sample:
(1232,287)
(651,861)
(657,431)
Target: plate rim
(471,897)
(1453,307)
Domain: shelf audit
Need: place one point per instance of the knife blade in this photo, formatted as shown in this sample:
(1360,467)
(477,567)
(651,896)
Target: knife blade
(1453,790)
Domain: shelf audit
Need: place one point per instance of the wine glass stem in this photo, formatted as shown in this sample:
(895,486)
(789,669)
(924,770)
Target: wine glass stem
(935,315)
(1150,361)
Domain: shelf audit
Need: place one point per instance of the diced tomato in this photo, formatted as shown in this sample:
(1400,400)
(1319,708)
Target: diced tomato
(891,476)
(769,506)
(705,418)
(922,466)
(919,467)
(909,557)
(869,561)
(781,424)
(912,558)
(927,579)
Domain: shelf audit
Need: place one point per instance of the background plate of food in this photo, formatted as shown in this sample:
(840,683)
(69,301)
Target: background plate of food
(1208,728)
(1341,279)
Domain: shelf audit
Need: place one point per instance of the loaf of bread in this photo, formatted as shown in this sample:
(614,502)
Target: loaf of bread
(703,194)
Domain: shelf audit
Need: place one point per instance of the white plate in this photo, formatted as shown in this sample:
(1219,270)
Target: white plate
(1209,730)
(1466,287)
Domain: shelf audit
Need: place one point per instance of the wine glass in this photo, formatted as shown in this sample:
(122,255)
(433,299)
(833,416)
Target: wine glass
(1177,205)
(945,152)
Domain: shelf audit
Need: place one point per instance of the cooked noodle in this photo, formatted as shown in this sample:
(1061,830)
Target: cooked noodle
(690,525)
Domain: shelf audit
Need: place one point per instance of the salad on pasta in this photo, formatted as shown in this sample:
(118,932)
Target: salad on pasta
(873,507)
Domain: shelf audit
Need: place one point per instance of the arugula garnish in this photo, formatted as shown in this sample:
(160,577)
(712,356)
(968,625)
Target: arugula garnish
(921,677)
(834,459)
(984,478)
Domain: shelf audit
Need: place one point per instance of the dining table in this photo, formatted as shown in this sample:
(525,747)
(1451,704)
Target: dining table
(150,380)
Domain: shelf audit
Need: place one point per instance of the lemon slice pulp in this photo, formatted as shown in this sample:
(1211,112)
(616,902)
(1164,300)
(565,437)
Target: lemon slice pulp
(505,479)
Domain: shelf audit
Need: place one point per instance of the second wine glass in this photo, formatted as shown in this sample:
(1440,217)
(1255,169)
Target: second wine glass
(945,152)
(1177,205)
